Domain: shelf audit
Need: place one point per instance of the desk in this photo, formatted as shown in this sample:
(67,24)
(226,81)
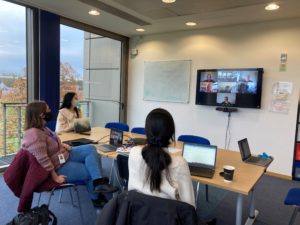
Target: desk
(245,176)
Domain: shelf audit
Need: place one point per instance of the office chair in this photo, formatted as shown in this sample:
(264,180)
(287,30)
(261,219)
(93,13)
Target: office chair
(196,140)
(293,198)
(61,188)
(117,125)
(193,139)
(122,162)
(138,130)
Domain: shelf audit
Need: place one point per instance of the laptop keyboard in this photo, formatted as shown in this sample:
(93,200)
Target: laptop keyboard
(253,159)
(107,148)
(201,172)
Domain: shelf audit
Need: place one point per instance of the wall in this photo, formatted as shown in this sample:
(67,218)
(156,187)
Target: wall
(252,45)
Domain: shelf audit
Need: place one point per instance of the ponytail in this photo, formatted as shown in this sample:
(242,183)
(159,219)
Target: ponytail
(157,160)
(160,129)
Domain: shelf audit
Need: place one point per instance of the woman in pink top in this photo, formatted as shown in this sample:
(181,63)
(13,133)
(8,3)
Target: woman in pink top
(65,163)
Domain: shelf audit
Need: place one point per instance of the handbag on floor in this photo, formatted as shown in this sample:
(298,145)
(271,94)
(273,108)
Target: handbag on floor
(39,215)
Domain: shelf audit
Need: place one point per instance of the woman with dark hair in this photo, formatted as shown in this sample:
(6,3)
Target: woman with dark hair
(65,163)
(68,112)
(152,170)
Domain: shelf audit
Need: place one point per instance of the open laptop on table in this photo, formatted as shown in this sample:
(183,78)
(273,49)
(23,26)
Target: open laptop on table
(201,159)
(115,141)
(248,158)
(82,126)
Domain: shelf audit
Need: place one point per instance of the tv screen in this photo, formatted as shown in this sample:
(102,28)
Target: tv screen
(229,87)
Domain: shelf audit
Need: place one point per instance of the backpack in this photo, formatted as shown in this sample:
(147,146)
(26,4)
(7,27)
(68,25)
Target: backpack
(39,215)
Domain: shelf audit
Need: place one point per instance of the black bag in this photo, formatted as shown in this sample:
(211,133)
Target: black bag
(36,216)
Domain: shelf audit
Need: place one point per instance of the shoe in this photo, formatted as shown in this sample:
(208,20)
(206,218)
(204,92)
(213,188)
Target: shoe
(100,201)
(212,222)
(105,188)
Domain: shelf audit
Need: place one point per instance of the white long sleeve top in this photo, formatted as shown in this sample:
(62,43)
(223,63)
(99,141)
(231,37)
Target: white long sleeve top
(180,188)
(65,120)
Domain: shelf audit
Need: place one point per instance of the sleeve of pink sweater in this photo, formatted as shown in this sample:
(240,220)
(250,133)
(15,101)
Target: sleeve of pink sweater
(35,141)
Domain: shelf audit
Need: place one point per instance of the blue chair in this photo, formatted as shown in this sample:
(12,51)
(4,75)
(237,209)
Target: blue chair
(293,198)
(138,130)
(196,140)
(193,139)
(118,125)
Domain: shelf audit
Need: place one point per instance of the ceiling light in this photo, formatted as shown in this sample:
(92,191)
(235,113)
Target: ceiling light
(140,29)
(168,1)
(272,6)
(191,24)
(94,12)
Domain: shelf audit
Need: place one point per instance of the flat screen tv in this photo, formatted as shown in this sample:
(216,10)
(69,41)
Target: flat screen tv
(229,87)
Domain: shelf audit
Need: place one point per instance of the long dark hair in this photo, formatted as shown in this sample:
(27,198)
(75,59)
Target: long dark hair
(33,113)
(160,129)
(67,102)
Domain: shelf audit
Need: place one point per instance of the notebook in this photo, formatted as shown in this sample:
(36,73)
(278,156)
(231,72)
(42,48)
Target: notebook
(79,141)
(115,141)
(82,126)
(201,159)
(248,158)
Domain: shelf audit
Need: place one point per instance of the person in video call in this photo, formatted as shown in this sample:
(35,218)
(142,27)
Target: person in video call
(64,163)
(68,112)
(209,78)
(226,101)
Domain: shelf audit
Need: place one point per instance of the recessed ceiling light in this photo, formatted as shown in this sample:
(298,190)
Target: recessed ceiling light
(191,24)
(168,1)
(272,6)
(140,29)
(94,12)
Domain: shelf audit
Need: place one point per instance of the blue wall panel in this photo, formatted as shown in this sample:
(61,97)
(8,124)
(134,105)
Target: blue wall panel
(49,38)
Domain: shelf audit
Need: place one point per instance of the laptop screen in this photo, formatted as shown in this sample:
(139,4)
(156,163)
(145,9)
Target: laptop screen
(116,137)
(244,148)
(200,154)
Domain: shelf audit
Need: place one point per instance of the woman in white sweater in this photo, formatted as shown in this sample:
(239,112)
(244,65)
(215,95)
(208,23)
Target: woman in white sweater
(153,170)
(68,112)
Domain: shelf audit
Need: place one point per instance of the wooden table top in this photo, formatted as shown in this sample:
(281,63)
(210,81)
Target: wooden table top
(245,175)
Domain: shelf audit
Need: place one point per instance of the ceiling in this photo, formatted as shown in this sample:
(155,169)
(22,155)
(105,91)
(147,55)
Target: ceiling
(124,16)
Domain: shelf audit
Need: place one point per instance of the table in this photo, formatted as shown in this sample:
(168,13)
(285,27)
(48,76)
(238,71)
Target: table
(245,176)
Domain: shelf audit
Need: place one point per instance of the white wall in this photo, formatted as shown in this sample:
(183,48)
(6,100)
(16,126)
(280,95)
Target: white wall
(244,46)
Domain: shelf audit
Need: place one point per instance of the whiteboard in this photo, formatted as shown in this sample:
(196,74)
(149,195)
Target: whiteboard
(167,81)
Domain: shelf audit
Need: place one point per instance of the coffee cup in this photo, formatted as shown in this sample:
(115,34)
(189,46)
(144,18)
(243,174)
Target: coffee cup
(228,173)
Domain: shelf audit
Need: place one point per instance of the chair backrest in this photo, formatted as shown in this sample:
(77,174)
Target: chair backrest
(163,211)
(122,162)
(194,139)
(117,125)
(138,130)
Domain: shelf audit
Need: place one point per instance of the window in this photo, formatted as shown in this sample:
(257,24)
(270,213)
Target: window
(13,77)
(71,57)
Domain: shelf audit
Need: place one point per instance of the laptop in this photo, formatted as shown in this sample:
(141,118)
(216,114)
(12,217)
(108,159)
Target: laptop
(79,141)
(115,141)
(248,158)
(82,126)
(201,159)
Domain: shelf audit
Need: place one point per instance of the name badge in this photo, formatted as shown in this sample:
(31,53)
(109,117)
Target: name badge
(61,158)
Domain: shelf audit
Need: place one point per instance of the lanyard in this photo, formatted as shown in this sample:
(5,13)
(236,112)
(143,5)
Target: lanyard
(52,135)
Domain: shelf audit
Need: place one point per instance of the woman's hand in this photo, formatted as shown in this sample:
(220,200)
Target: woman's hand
(66,146)
(58,178)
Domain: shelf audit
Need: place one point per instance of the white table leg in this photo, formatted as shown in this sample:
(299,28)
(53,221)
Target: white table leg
(252,213)
(197,193)
(239,209)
